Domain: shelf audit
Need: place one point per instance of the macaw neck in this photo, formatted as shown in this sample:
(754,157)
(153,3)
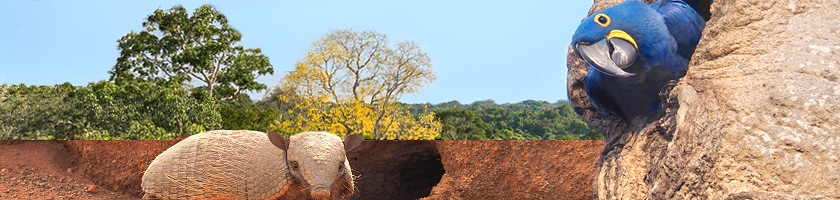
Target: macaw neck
(656,71)
(658,52)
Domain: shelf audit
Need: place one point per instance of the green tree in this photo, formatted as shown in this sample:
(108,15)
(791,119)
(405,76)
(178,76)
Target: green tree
(484,104)
(591,135)
(138,110)
(460,124)
(280,98)
(103,110)
(178,47)
(34,112)
(526,120)
(244,117)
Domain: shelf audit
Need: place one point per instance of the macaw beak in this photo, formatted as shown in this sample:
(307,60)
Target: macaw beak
(610,55)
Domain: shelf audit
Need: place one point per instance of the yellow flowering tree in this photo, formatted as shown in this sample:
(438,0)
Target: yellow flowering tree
(349,82)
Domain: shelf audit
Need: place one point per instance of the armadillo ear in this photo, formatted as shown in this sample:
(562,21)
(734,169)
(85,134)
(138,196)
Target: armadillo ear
(278,140)
(352,141)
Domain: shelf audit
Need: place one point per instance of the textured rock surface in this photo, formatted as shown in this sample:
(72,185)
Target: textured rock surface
(758,112)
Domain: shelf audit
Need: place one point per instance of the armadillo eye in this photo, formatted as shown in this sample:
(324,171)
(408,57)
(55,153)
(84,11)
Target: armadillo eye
(341,166)
(294,165)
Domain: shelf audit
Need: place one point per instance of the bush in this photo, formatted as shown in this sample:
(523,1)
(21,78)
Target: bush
(34,112)
(140,110)
(103,110)
(247,117)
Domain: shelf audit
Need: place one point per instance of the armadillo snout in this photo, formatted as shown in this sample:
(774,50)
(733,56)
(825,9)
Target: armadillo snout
(317,161)
(320,192)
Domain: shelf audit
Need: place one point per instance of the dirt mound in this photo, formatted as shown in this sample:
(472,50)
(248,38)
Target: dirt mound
(386,169)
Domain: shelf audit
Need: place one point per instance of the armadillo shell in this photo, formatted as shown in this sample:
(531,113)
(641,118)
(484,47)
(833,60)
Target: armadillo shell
(230,164)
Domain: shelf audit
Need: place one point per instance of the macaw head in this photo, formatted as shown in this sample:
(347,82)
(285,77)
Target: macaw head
(613,39)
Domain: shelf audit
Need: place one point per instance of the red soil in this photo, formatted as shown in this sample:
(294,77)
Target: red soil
(386,169)
(46,170)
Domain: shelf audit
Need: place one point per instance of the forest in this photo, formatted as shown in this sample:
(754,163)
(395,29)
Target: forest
(526,120)
(143,110)
(187,73)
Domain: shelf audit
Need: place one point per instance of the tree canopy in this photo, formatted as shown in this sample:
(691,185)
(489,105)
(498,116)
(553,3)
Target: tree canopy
(103,110)
(526,120)
(178,47)
(460,124)
(34,112)
(350,81)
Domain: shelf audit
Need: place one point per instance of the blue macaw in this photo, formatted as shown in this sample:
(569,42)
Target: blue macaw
(635,50)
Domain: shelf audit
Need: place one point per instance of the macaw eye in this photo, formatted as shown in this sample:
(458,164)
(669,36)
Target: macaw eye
(602,20)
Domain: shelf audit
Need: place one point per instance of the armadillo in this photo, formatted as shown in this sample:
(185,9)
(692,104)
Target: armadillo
(235,164)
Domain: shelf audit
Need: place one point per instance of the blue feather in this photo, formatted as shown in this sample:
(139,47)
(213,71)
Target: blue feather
(663,37)
(685,26)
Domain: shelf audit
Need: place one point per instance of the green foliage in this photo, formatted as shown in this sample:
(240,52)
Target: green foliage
(244,117)
(229,95)
(140,109)
(591,135)
(146,99)
(177,47)
(33,112)
(280,98)
(103,110)
(460,124)
(527,120)
(145,110)
(136,130)
(569,137)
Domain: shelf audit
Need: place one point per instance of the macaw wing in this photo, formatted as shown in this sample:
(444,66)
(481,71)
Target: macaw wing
(684,24)
(701,8)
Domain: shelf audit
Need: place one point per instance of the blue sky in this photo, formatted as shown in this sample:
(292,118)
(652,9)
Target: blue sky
(508,51)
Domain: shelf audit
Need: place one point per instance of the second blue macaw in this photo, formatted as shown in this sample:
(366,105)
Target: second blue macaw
(635,50)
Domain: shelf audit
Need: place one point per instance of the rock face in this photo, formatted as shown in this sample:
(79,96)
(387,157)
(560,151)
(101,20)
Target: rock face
(758,113)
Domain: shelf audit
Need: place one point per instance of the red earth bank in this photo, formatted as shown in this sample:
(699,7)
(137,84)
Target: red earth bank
(386,169)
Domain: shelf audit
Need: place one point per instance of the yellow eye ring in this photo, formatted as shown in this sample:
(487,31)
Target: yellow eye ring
(602,20)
